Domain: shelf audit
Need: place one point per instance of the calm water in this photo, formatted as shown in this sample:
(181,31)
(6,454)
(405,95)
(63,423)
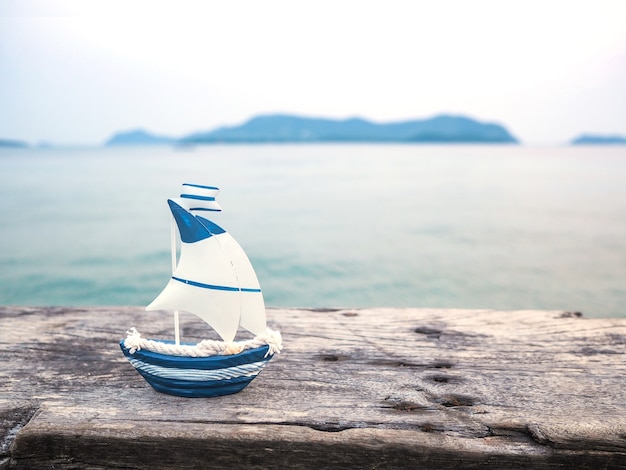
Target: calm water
(499,227)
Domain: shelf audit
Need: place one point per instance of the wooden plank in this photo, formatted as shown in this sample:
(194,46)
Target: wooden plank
(374,388)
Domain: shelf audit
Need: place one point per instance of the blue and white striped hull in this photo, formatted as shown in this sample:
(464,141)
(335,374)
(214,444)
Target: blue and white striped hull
(198,376)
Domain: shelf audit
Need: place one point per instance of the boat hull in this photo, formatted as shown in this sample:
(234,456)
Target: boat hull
(198,377)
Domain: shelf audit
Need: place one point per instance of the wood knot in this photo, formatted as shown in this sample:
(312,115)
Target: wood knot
(442,365)
(350,314)
(333,357)
(453,400)
(428,331)
(444,379)
(408,406)
(428,427)
(571,315)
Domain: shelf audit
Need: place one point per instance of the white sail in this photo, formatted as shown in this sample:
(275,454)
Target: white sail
(252,306)
(213,279)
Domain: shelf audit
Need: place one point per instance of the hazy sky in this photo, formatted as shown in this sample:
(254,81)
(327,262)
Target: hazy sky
(77,71)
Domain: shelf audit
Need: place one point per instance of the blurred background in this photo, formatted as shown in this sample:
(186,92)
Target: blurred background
(513,198)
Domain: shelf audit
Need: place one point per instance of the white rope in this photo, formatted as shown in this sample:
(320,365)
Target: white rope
(205,348)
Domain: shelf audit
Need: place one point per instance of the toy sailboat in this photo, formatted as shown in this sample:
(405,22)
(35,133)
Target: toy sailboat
(214,280)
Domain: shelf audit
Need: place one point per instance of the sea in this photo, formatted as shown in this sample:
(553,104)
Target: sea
(501,227)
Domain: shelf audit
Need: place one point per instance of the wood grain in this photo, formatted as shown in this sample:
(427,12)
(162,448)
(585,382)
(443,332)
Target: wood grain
(366,388)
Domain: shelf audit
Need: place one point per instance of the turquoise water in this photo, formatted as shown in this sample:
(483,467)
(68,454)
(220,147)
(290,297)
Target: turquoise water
(499,227)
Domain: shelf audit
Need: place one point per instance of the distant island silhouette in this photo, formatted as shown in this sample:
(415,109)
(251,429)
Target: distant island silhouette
(139,137)
(591,139)
(283,128)
(12,143)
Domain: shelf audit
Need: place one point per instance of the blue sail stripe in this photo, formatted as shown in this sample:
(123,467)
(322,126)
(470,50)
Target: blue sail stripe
(198,198)
(204,209)
(246,370)
(200,186)
(214,287)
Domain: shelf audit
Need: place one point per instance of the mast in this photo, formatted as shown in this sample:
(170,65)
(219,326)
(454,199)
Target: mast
(173,247)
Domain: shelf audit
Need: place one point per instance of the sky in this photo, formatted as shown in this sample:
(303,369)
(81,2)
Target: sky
(76,72)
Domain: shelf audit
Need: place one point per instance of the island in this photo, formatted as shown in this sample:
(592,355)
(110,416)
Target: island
(138,137)
(285,128)
(590,139)
(296,129)
(12,143)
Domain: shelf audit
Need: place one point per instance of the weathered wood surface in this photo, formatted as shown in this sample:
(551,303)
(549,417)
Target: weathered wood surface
(370,388)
